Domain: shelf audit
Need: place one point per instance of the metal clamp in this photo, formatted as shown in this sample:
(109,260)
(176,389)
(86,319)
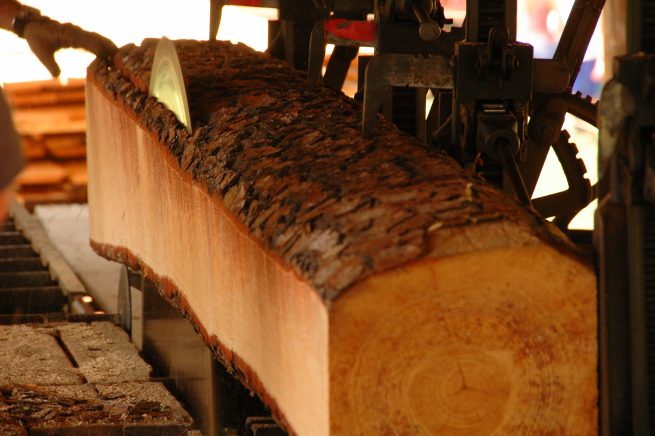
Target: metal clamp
(387,70)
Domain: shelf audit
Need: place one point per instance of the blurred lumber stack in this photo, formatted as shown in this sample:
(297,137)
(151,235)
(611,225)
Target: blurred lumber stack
(51,120)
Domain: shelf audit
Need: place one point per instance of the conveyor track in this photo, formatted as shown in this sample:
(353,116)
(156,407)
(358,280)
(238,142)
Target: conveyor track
(52,376)
(26,286)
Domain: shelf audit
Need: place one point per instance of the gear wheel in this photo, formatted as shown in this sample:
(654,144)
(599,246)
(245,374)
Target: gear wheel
(544,132)
(547,119)
(565,205)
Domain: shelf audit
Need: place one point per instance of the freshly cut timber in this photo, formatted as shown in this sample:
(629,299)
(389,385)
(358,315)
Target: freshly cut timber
(362,286)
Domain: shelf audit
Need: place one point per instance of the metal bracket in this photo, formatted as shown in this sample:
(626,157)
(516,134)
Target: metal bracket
(390,69)
(125,299)
(215,13)
(347,36)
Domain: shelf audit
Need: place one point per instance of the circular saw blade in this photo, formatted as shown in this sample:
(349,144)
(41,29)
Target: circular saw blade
(167,83)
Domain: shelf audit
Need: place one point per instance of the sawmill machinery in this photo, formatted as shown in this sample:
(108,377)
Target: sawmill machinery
(489,90)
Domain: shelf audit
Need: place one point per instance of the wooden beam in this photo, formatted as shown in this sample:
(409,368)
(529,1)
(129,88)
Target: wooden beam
(359,286)
(45,93)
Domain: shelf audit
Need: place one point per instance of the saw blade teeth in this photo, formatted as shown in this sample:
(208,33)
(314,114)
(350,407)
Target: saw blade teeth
(564,139)
(585,97)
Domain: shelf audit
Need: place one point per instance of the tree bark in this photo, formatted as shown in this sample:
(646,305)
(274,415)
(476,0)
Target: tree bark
(358,285)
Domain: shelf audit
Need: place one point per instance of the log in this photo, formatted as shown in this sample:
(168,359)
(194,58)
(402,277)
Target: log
(358,286)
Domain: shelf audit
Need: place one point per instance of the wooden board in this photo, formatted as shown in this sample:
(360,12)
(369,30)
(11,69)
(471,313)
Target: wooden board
(41,174)
(32,356)
(45,93)
(72,146)
(50,120)
(359,286)
(104,353)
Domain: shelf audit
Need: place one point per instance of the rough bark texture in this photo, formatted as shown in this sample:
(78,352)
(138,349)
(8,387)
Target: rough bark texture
(289,161)
(136,409)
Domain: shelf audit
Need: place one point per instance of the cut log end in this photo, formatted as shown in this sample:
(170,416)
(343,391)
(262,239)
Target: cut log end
(422,344)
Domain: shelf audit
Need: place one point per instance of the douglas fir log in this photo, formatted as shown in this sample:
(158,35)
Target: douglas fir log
(358,285)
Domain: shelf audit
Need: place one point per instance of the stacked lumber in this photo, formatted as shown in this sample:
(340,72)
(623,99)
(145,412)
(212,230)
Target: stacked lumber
(357,285)
(51,120)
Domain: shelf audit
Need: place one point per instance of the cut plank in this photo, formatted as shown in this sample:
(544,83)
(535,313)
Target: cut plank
(41,174)
(32,356)
(66,146)
(33,148)
(43,393)
(55,120)
(45,93)
(359,286)
(76,173)
(104,353)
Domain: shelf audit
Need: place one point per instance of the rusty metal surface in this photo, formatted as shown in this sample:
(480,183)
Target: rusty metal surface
(549,106)
(401,70)
(342,31)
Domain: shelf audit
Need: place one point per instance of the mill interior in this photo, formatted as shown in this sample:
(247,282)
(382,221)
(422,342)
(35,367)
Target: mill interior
(389,217)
